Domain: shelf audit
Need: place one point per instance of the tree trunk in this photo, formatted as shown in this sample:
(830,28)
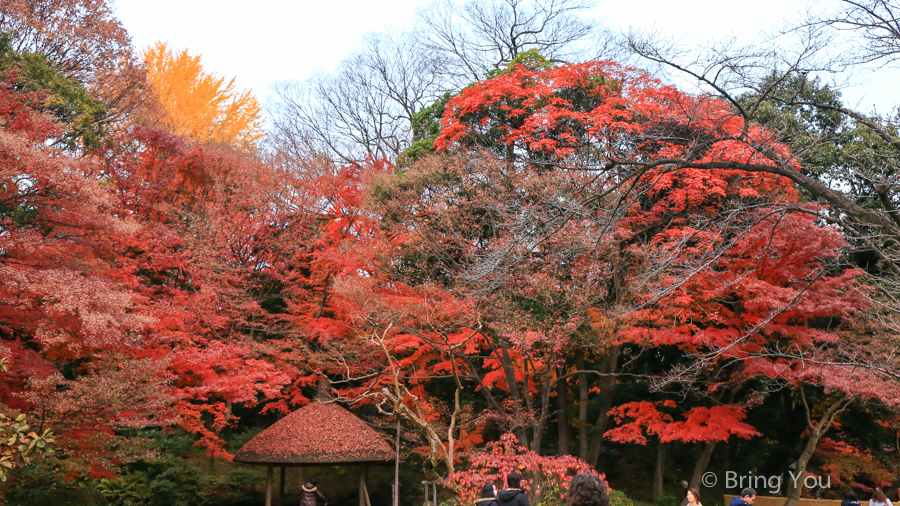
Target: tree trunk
(208,425)
(702,462)
(796,477)
(562,416)
(672,450)
(817,429)
(658,472)
(607,389)
(582,408)
(510,374)
(397,467)
(600,426)
(540,422)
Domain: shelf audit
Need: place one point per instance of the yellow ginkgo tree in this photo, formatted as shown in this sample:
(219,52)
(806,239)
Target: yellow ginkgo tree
(199,105)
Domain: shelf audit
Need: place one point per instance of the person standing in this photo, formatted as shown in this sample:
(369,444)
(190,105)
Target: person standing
(488,496)
(693,497)
(311,493)
(879,498)
(587,490)
(513,495)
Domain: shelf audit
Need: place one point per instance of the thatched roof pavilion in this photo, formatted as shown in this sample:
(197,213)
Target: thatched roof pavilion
(317,434)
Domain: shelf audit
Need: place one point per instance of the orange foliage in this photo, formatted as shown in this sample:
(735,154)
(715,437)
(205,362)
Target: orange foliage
(199,105)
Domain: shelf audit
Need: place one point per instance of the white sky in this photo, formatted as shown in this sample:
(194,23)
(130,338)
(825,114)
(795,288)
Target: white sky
(263,41)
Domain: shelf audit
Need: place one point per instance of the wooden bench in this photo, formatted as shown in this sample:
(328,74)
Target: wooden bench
(765,500)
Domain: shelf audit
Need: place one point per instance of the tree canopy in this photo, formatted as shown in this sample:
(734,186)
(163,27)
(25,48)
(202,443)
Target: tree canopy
(198,105)
(497,245)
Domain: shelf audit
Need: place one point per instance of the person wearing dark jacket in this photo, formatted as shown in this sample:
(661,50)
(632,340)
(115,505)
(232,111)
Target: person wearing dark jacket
(748,495)
(310,492)
(488,496)
(850,498)
(513,495)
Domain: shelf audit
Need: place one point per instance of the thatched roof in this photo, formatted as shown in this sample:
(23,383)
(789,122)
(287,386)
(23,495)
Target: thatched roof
(317,434)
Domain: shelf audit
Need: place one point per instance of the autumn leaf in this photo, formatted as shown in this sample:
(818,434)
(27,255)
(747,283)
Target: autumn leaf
(200,105)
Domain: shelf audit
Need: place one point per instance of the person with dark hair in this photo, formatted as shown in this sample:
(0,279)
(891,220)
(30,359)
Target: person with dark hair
(850,498)
(879,498)
(587,490)
(513,495)
(310,493)
(748,495)
(488,496)
(693,497)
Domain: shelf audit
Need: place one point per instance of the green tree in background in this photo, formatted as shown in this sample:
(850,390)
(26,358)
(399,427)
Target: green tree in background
(66,100)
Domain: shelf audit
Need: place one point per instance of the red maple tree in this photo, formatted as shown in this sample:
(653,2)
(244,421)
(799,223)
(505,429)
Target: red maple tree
(729,267)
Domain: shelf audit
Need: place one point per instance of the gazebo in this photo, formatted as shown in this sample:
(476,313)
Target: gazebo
(317,434)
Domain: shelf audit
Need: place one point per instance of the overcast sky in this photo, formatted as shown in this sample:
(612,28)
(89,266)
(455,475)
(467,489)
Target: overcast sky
(263,41)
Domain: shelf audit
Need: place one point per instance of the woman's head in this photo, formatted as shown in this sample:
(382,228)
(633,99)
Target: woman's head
(693,495)
(488,491)
(587,490)
(879,496)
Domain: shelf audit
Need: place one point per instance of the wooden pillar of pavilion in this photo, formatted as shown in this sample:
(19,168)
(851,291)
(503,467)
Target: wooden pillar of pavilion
(269,486)
(363,491)
(281,487)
